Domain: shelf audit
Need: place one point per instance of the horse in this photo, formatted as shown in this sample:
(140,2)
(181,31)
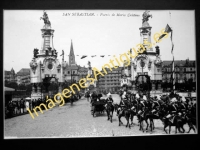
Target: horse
(133,109)
(143,116)
(177,123)
(152,116)
(109,109)
(125,113)
(154,106)
(46,19)
(191,118)
(133,112)
(146,16)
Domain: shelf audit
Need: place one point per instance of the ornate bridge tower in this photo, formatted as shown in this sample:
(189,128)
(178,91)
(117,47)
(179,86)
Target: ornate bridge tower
(45,67)
(147,65)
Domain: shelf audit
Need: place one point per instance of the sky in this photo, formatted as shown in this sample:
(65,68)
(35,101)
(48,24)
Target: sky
(102,34)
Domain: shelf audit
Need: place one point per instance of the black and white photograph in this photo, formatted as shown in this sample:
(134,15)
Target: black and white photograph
(71,73)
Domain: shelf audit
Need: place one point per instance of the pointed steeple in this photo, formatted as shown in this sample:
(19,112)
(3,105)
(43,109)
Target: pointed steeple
(71,49)
(12,71)
(71,55)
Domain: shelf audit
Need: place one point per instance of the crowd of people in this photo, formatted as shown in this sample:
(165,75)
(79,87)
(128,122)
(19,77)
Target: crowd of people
(19,107)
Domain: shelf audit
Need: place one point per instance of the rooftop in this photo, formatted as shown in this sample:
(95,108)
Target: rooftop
(180,63)
(23,71)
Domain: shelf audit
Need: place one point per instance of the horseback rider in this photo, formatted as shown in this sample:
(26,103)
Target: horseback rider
(172,109)
(155,106)
(181,107)
(122,104)
(142,103)
(109,100)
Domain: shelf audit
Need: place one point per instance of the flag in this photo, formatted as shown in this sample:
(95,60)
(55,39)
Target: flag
(167,30)
(83,56)
(102,55)
(173,74)
(172,44)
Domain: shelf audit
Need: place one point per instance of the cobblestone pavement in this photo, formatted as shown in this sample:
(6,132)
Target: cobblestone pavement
(74,121)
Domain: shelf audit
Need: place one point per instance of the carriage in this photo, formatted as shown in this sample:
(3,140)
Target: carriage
(98,106)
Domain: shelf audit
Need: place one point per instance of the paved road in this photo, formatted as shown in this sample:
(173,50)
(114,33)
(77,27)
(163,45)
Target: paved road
(73,121)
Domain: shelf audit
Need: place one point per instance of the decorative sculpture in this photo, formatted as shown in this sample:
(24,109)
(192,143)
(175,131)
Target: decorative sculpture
(89,64)
(33,65)
(149,65)
(63,53)
(35,52)
(135,66)
(46,19)
(142,63)
(146,16)
(158,61)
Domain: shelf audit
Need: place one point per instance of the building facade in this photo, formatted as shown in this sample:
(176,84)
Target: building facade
(111,81)
(10,76)
(184,70)
(23,76)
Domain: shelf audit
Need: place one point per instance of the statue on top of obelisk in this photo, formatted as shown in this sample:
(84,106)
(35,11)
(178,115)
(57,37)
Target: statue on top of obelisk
(45,17)
(145,18)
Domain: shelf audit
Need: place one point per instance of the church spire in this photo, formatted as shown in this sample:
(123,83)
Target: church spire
(71,55)
(71,49)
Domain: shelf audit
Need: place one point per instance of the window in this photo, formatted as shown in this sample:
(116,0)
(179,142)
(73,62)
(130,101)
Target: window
(190,69)
(191,75)
(68,72)
(73,72)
